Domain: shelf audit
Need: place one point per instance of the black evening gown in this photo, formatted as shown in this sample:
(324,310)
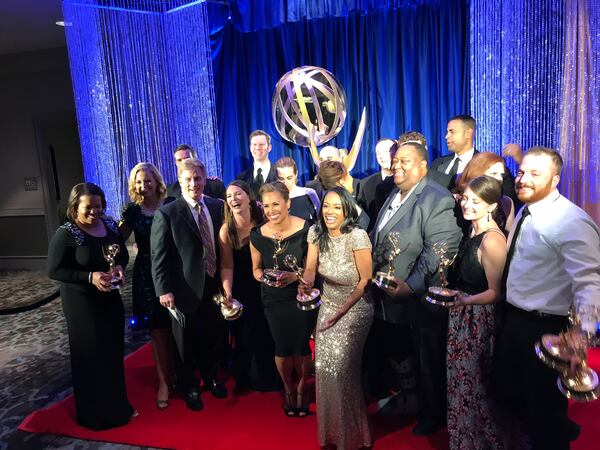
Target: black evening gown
(95,322)
(291,328)
(147,310)
(253,363)
(303,207)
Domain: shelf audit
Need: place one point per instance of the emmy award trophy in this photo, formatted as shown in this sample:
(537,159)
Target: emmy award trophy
(312,299)
(385,280)
(441,295)
(110,252)
(232,312)
(555,351)
(271,276)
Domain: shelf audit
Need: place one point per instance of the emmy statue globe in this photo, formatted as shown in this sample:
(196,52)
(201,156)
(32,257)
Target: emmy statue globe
(110,252)
(441,295)
(229,312)
(271,276)
(385,280)
(310,300)
(556,352)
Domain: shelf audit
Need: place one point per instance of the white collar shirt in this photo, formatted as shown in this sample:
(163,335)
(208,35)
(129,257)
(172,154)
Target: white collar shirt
(266,168)
(395,205)
(465,159)
(192,205)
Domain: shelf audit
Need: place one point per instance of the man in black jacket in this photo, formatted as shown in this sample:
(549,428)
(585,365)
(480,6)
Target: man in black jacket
(262,171)
(185,271)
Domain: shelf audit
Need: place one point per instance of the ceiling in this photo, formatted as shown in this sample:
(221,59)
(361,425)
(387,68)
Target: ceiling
(27,25)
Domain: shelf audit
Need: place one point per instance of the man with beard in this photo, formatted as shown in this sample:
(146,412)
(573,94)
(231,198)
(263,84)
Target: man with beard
(553,264)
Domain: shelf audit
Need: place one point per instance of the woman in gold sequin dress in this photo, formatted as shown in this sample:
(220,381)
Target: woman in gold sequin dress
(341,253)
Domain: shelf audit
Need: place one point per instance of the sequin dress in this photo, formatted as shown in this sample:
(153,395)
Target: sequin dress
(471,421)
(341,409)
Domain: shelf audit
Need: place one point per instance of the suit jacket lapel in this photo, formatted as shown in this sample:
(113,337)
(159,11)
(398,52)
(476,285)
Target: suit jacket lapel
(406,206)
(382,212)
(186,213)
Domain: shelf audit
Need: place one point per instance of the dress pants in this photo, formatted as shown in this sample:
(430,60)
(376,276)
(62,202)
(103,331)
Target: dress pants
(525,387)
(203,340)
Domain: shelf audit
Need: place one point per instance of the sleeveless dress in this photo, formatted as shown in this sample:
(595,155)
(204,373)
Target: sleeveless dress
(95,323)
(291,327)
(471,421)
(341,409)
(253,363)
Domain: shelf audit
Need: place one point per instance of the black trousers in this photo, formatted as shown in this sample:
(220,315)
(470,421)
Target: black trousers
(525,387)
(203,340)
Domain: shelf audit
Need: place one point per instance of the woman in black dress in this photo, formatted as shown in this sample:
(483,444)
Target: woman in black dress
(291,328)
(253,366)
(147,191)
(92,307)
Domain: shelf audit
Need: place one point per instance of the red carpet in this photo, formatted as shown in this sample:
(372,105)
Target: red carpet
(253,422)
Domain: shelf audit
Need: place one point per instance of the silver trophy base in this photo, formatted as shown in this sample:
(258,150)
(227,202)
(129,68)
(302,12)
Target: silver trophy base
(385,281)
(441,296)
(310,301)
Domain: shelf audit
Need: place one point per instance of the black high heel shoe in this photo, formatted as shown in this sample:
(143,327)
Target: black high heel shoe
(301,408)
(288,409)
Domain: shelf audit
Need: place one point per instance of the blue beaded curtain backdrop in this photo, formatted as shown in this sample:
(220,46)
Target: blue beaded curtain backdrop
(534,81)
(143,84)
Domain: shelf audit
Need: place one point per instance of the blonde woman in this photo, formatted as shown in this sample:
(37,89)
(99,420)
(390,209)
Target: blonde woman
(147,191)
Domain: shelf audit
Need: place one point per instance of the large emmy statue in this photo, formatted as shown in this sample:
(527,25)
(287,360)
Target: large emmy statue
(309,109)
(556,352)
(441,295)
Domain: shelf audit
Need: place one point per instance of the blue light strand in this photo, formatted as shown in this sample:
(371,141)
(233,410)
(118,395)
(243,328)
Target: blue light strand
(142,80)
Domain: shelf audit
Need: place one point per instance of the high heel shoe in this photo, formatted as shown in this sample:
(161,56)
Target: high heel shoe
(162,404)
(301,408)
(288,409)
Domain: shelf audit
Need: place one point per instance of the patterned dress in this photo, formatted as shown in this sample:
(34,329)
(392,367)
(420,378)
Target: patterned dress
(147,311)
(471,422)
(341,409)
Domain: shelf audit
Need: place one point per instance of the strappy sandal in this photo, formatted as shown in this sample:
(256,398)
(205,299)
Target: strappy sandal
(288,409)
(301,408)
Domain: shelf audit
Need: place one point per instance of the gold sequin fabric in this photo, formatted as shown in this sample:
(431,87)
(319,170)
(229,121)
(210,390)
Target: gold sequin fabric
(341,409)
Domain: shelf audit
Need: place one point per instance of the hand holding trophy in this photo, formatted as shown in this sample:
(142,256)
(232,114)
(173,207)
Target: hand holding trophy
(385,280)
(110,252)
(559,352)
(231,311)
(441,295)
(271,276)
(312,298)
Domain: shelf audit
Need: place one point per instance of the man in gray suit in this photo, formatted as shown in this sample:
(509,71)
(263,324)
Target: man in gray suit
(423,212)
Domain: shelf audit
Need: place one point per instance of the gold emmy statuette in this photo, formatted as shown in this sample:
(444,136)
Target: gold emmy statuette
(232,312)
(441,295)
(110,252)
(271,276)
(310,300)
(385,280)
(555,351)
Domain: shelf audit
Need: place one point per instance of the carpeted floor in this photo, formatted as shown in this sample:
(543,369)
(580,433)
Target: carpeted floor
(21,289)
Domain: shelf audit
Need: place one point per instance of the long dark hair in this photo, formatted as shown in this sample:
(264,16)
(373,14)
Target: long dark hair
(489,190)
(350,221)
(256,214)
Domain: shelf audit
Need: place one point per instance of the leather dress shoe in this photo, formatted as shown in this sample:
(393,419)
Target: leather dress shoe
(427,427)
(193,400)
(216,389)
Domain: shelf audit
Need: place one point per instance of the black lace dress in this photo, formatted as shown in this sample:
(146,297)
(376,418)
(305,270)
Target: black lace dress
(147,310)
(95,322)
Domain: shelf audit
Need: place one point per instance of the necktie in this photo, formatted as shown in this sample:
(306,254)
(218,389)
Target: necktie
(209,250)
(259,180)
(453,172)
(513,244)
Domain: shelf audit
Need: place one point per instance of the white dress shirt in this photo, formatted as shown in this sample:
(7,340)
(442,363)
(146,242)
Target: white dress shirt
(266,168)
(556,261)
(465,159)
(395,205)
(192,205)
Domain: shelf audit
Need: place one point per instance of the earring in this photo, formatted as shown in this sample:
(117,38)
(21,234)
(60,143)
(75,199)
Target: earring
(489,216)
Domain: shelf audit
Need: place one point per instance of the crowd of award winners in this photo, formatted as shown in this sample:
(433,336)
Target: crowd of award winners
(517,255)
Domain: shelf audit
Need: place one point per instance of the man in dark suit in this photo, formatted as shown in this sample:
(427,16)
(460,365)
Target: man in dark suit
(214,186)
(423,212)
(185,271)
(367,190)
(262,171)
(460,135)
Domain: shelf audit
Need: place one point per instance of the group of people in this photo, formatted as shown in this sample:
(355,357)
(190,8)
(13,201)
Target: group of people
(514,277)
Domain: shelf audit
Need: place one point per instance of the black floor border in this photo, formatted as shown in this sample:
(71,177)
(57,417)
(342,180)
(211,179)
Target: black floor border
(20,309)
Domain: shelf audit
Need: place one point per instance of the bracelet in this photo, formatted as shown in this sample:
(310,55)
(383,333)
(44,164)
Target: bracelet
(90,277)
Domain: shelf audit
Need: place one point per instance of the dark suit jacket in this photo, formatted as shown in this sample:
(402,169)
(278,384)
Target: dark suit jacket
(316,185)
(427,217)
(177,251)
(214,188)
(367,195)
(248,176)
